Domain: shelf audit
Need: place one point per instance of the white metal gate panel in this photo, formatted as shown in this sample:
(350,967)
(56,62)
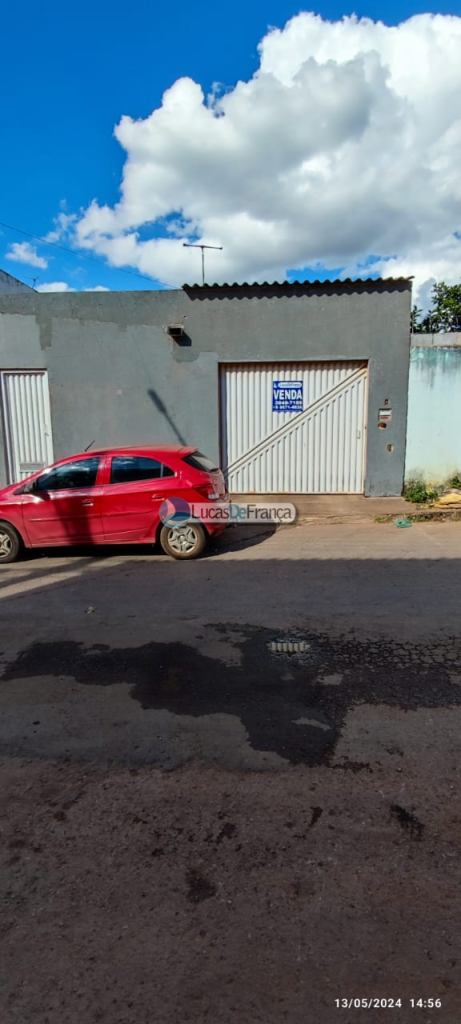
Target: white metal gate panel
(26,422)
(319,450)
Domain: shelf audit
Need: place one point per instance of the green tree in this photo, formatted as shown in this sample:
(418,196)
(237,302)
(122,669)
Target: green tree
(445,312)
(416,319)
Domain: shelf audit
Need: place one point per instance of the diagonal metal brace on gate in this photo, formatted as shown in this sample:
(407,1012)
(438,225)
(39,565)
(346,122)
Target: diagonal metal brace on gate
(299,418)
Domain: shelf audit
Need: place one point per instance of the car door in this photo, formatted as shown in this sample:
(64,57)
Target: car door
(64,506)
(131,498)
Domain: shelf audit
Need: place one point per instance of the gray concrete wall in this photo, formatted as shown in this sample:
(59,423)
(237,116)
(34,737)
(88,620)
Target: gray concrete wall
(10,285)
(444,339)
(116,375)
(434,408)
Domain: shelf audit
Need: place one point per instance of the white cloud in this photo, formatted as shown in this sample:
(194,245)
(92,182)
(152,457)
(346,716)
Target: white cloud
(62,286)
(54,286)
(24,252)
(345,144)
(62,227)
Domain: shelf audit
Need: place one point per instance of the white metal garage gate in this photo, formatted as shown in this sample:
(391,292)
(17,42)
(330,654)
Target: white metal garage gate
(26,419)
(294,428)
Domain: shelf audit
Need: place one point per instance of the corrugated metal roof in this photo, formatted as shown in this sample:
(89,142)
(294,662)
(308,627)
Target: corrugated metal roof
(338,282)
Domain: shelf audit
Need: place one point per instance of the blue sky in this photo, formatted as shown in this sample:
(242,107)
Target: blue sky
(69,74)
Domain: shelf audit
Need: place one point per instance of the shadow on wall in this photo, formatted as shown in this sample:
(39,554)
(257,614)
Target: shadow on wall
(157,401)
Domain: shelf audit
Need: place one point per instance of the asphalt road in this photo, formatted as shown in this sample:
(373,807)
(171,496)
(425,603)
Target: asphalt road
(199,819)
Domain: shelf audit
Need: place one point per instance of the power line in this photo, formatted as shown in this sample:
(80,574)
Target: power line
(72,252)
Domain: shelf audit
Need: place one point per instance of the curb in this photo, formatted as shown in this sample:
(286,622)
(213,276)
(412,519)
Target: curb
(427,515)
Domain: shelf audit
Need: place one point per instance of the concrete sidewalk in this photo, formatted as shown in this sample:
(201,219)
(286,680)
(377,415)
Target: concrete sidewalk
(334,508)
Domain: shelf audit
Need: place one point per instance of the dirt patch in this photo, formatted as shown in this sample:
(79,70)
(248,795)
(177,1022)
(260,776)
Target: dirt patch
(426,515)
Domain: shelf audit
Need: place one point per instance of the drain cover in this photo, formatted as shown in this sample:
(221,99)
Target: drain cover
(288,646)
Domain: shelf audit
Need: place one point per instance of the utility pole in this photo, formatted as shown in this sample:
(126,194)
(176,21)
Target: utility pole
(193,245)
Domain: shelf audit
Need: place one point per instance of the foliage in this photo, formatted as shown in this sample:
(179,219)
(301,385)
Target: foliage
(455,481)
(445,312)
(416,319)
(420,494)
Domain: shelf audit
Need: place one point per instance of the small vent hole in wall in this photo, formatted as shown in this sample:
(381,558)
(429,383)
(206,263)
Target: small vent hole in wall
(390,447)
(382,426)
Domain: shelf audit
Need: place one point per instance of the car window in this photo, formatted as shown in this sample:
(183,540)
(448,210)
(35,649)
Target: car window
(200,461)
(71,475)
(126,469)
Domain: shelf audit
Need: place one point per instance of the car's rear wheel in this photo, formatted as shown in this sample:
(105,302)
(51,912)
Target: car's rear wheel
(186,541)
(10,543)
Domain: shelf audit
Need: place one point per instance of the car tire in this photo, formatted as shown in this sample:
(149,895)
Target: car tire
(183,542)
(10,543)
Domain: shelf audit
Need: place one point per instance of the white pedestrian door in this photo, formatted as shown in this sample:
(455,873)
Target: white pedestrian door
(26,422)
(294,428)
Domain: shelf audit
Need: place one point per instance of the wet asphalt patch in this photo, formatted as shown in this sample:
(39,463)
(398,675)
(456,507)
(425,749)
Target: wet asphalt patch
(282,699)
(199,887)
(408,821)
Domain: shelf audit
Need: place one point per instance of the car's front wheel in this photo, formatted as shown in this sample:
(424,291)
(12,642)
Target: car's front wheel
(10,543)
(186,541)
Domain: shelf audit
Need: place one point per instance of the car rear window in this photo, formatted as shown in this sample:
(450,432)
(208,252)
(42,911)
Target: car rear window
(126,469)
(200,461)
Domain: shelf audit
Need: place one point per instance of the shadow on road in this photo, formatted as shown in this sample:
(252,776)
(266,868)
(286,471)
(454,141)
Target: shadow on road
(375,631)
(236,538)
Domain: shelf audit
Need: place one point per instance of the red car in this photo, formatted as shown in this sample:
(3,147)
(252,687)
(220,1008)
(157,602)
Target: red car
(136,495)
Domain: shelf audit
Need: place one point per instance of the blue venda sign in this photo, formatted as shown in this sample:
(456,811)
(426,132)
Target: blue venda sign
(287,396)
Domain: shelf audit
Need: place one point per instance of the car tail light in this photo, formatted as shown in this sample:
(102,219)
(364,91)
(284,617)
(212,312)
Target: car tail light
(211,495)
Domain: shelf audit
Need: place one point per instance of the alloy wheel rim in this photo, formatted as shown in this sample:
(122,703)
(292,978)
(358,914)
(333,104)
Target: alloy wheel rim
(6,544)
(182,539)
